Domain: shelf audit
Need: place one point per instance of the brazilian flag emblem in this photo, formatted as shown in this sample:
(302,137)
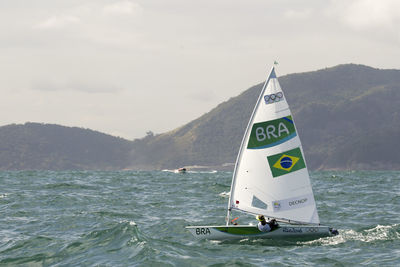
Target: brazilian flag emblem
(286,162)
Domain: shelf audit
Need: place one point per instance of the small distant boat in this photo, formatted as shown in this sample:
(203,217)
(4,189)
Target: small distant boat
(270,176)
(225,194)
(182,170)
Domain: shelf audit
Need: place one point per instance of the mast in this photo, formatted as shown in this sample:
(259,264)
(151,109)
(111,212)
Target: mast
(243,143)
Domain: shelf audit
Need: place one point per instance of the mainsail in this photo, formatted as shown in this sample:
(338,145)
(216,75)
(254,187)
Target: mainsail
(271,176)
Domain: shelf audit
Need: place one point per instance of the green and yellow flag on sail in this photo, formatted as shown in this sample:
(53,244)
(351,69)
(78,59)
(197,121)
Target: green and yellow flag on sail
(286,162)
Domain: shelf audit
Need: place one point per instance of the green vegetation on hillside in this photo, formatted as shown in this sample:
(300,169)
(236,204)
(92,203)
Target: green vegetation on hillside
(348,117)
(36,146)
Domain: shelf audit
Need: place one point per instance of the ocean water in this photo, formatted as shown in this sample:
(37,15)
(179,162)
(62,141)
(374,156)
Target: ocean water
(138,218)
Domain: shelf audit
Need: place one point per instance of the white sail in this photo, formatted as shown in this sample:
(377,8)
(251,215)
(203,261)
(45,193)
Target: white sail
(271,175)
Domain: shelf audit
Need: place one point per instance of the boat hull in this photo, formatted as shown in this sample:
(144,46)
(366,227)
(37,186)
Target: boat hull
(232,232)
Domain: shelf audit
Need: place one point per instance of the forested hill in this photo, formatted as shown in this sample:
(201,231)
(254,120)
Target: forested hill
(348,117)
(36,146)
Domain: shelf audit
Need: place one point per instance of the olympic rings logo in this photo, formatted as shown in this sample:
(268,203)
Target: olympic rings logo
(273,98)
(312,230)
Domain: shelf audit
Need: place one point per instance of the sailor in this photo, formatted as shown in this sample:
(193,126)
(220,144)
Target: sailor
(265,226)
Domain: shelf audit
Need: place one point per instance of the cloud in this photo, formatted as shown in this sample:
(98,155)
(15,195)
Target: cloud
(368,14)
(114,24)
(57,22)
(298,14)
(122,8)
(80,86)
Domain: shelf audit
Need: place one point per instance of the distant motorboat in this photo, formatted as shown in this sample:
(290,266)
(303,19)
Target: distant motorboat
(225,194)
(182,170)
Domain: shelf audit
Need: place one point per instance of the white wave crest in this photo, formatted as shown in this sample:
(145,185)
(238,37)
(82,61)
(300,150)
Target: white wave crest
(377,233)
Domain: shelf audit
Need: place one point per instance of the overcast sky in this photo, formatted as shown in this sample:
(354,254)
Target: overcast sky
(125,67)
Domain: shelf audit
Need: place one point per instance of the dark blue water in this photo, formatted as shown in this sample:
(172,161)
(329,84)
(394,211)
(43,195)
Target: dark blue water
(138,219)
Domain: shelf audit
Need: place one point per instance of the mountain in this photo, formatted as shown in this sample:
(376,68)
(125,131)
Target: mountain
(36,146)
(347,117)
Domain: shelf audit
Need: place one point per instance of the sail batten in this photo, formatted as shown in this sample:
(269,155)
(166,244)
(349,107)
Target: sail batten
(271,175)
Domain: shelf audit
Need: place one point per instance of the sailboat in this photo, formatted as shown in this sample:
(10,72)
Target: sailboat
(270,176)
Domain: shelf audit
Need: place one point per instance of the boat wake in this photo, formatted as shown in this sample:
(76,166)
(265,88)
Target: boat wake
(191,171)
(173,171)
(211,171)
(375,234)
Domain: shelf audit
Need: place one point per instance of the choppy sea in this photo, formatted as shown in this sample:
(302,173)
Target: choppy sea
(131,218)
